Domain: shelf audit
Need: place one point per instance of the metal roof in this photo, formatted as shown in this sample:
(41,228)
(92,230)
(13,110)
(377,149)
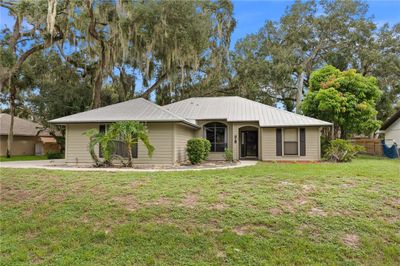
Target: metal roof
(238,109)
(137,109)
(22,127)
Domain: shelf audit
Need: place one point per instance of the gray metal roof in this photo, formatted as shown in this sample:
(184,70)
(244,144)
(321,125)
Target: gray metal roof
(22,127)
(237,109)
(231,109)
(137,109)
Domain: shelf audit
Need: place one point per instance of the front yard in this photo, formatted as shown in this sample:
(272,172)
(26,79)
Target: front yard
(267,214)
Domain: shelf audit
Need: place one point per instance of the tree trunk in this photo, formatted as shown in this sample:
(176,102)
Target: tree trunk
(13,93)
(343,134)
(300,87)
(157,84)
(96,97)
(129,155)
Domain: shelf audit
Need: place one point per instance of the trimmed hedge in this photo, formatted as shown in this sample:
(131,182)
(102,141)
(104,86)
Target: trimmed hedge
(54,155)
(198,150)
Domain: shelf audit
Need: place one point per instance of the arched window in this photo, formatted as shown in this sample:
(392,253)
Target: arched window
(216,134)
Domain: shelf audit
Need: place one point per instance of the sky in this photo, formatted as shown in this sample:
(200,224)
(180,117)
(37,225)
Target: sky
(252,14)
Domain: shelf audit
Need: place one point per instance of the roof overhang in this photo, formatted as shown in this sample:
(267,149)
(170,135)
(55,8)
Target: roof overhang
(391,120)
(63,123)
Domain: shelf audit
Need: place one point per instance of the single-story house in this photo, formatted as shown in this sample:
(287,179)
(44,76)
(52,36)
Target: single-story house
(391,129)
(28,138)
(250,129)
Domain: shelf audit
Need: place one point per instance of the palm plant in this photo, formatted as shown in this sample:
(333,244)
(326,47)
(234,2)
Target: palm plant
(94,139)
(130,132)
(105,140)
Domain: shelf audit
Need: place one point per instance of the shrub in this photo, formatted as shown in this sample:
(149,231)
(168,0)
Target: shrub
(228,154)
(340,150)
(196,150)
(207,148)
(324,145)
(54,155)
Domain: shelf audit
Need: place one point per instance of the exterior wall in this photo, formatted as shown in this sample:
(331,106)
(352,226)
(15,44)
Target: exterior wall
(182,134)
(216,156)
(393,132)
(22,145)
(169,140)
(233,136)
(236,135)
(76,144)
(313,150)
(160,135)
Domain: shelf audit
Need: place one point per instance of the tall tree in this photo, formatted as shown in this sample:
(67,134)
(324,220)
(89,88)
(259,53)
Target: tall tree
(286,52)
(163,42)
(32,32)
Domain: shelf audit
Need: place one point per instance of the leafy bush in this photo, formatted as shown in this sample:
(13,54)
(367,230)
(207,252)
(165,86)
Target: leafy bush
(340,150)
(228,154)
(54,155)
(207,148)
(195,150)
(325,143)
(198,150)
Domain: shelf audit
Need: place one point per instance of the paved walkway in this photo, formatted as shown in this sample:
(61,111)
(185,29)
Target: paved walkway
(60,165)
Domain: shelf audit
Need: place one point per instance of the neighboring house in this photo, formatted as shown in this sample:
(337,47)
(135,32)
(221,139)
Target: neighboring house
(391,129)
(251,130)
(28,139)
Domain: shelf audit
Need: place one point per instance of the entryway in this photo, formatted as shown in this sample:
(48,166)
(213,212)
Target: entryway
(249,143)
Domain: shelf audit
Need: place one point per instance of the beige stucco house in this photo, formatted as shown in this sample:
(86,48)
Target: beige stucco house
(250,129)
(28,139)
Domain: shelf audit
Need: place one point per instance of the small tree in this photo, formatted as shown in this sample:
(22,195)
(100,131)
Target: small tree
(345,98)
(93,135)
(105,140)
(130,132)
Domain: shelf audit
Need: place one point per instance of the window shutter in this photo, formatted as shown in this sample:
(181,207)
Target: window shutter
(302,142)
(278,142)
(135,150)
(102,129)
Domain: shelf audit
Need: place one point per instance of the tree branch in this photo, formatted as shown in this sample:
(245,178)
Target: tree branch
(157,84)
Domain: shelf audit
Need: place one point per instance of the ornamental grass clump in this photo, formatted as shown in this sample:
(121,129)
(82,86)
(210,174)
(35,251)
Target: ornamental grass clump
(340,150)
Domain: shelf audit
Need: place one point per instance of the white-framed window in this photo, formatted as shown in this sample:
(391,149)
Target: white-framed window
(216,133)
(290,141)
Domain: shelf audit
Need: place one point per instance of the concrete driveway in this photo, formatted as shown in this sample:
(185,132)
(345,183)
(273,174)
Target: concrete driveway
(60,164)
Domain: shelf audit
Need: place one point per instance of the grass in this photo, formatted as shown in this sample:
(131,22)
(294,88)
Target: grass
(23,158)
(267,214)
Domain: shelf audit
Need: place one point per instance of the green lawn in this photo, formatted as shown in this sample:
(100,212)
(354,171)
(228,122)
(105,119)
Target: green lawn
(267,214)
(23,158)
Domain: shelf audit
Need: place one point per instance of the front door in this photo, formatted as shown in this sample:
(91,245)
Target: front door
(249,144)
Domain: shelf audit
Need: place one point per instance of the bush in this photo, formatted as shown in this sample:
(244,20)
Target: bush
(198,150)
(195,150)
(324,145)
(207,148)
(340,150)
(54,155)
(228,154)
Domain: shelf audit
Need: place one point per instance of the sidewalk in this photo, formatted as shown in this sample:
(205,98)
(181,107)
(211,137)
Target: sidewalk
(60,165)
